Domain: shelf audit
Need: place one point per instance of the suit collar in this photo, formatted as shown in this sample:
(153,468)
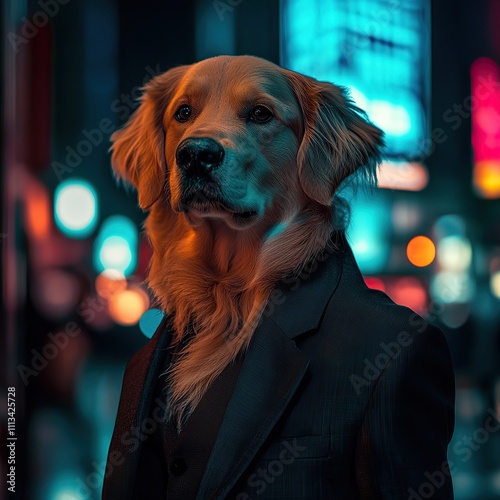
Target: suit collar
(313,287)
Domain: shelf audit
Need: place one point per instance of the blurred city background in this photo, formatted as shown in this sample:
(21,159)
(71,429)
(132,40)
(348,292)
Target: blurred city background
(74,308)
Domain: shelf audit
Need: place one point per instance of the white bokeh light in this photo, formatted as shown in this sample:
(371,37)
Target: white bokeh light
(75,208)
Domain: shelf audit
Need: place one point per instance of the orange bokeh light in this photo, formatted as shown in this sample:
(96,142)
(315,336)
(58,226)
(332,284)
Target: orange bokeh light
(421,251)
(110,282)
(127,307)
(487,178)
(37,211)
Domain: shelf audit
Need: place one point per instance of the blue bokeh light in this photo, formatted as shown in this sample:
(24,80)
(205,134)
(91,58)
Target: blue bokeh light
(368,232)
(116,245)
(150,321)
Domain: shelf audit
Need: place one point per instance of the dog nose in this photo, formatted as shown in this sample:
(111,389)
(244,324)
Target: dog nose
(199,155)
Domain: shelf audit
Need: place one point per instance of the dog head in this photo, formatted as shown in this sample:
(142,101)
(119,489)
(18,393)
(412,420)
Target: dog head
(238,161)
(239,139)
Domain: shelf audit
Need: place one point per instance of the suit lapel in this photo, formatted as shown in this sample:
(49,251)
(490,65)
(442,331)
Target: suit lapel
(301,300)
(139,383)
(270,375)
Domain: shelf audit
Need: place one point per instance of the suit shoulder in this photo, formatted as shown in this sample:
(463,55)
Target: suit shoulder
(369,317)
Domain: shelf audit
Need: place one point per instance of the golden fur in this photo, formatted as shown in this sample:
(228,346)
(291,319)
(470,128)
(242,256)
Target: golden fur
(206,269)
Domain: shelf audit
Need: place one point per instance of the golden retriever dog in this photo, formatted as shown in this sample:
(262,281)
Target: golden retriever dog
(334,391)
(237,161)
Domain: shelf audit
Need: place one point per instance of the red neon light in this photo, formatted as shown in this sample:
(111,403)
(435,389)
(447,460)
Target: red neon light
(485,83)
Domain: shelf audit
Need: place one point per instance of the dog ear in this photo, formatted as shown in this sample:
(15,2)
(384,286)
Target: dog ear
(138,155)
(337,138)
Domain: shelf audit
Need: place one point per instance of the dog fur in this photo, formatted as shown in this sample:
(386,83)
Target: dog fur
(213,270)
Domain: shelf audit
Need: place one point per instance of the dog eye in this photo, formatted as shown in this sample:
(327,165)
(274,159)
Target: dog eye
(183,113)
(260,114)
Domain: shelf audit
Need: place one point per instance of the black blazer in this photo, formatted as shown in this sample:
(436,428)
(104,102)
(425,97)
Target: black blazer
(342,394)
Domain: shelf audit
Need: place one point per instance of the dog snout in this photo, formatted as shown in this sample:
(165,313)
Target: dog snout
(199,156)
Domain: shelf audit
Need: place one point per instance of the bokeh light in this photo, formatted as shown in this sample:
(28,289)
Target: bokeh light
(410,292)
(421,251)
(110,282)
(374,283)
(454,253)
(449,225)
(486,127)
(455,315)
(487,178)
(451,287)
(127,307)
(115,254)
(406,217)
(150,321)
(75,208)
(116,246)
(407,176)
(368,231)
(63,488)
(38,213)
(495,284)
(55,292)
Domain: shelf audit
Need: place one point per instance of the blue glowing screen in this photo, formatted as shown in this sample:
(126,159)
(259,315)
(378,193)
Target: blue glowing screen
(379,49)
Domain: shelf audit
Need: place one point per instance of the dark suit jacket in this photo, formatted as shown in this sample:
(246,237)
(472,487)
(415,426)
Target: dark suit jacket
(342,394)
